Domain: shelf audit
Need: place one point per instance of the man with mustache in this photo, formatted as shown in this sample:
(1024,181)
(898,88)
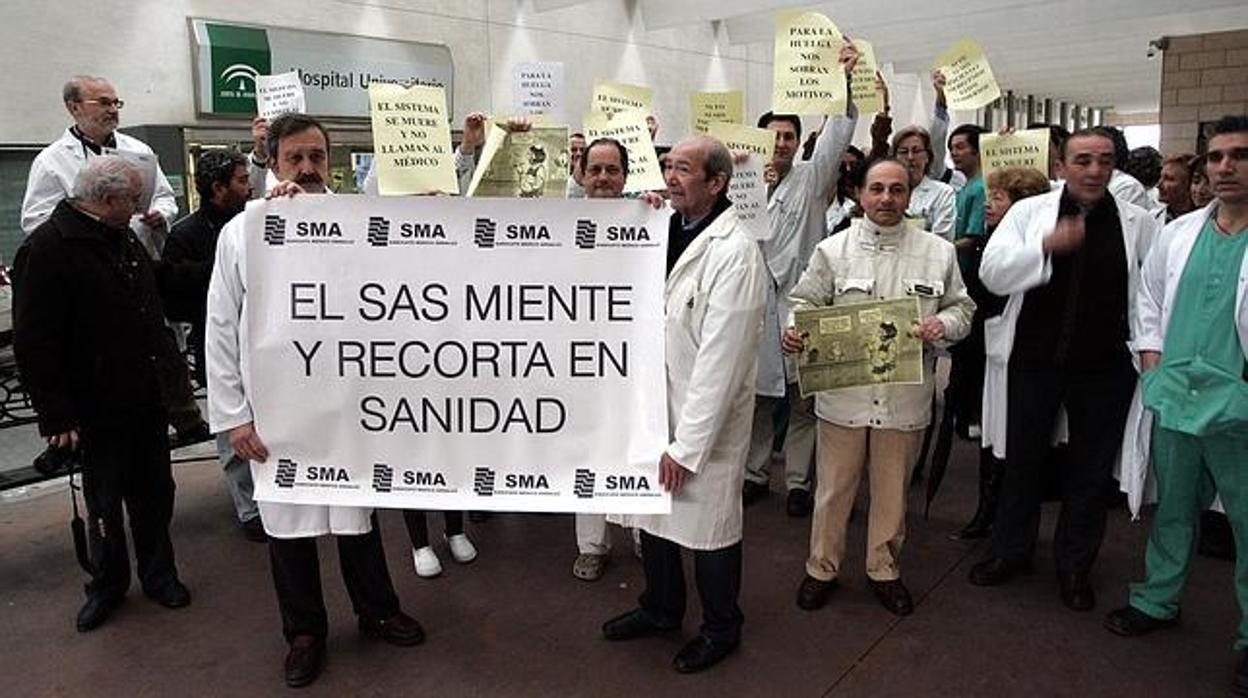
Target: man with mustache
(299,155)
(1192,339)
(875,428)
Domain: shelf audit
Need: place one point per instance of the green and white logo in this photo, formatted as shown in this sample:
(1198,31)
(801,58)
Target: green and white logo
(239,54)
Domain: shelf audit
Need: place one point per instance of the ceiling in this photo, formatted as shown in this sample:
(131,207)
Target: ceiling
(1090,52)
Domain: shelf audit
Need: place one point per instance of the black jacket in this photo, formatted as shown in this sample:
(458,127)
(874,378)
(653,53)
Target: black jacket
(88,327)
(187,261)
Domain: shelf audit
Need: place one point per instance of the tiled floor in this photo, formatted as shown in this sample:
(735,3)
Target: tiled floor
(516,623)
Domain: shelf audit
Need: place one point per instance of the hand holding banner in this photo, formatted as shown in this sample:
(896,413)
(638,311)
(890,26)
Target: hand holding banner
(706,108)
(969,83)
(808,78)
(411,140)
(279,94)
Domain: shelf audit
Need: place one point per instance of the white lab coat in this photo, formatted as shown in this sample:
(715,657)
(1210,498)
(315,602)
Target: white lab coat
(52,176)
(936,203)
(229,383)
(714,297)
(1014,263)
(796,214)
(1124,187)
(1163,269)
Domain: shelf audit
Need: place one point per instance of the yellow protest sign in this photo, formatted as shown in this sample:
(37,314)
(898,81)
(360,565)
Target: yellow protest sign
(760,141)
(1028,148)
(808,76)
(862,80)
(706,108)
(411,140)
(969,83)
(629,128)
(611,98)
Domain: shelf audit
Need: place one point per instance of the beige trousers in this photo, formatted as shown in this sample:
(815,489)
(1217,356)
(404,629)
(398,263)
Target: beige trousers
(842,454)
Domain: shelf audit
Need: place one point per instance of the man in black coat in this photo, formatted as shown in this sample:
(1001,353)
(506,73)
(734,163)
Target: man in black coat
(224,187)
(97,360)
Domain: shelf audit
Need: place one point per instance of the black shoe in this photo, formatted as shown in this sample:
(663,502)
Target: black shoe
(95,611)
(1129,621)
(798,504)
(253,530)
(1076,591)
(893,595)
(401,630)
(701,653)
(304,660)
(1240,686)
(172,595)
(752,492)
(994,571)
(632,625)
(196,433)
(813,593)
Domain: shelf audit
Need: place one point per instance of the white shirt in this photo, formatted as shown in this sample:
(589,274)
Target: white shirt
(229,382)
(52,176)
(936,203)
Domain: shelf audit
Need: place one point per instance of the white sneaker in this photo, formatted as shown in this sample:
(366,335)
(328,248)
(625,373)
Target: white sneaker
(427,564)
(462,549)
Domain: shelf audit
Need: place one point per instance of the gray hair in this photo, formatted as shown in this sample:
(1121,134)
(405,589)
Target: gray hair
(717,159)
(104,176)
(72,91)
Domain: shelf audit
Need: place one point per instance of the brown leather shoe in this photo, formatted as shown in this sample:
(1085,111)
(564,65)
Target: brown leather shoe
(401,630)
(893,595)
(1076,591)
(304,660)
(813,593)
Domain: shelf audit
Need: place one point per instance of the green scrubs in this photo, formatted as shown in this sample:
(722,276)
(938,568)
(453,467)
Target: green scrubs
(1199,398)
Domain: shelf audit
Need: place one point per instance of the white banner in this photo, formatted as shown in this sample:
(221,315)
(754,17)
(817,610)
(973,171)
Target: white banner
(280,94)
(537,88)
(447,353)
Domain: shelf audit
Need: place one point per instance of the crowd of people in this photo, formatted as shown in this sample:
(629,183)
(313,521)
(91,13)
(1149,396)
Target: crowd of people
(1077,307)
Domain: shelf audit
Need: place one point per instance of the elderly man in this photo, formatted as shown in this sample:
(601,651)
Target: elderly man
(877,428)
(96,110)
(716,290)
(299,156)
(1192,339)
(224,187)
(93,104)
(92,348)
(796,215)
(1069,261)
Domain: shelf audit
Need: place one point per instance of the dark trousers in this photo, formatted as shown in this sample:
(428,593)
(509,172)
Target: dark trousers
(965,394)
(128,463)
(297,579)
(1096,407)
(718,577)
(418,528)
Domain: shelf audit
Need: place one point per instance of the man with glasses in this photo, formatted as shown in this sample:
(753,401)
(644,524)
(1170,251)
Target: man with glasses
(95,108)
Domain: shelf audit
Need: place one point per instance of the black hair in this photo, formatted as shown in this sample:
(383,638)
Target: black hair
(288,125)
(216,167)
(766,119)
(1093,131)
(972,133)
(1144,163)
(1121,150)
(1231,123)
(607,141)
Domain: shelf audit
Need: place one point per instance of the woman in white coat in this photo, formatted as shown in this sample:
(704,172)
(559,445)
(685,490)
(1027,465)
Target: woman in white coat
(715,295)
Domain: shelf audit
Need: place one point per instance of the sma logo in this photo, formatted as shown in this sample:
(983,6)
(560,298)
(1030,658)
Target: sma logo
(421,230)
(627,482)
(628,233)
(326,473)
(317,229)
(527,482)
(520,231)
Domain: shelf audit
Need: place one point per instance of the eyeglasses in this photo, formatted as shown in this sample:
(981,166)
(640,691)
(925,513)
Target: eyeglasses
(907,152)
(106,103)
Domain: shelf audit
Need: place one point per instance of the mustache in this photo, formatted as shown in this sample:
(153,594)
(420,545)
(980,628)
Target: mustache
(309,178)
